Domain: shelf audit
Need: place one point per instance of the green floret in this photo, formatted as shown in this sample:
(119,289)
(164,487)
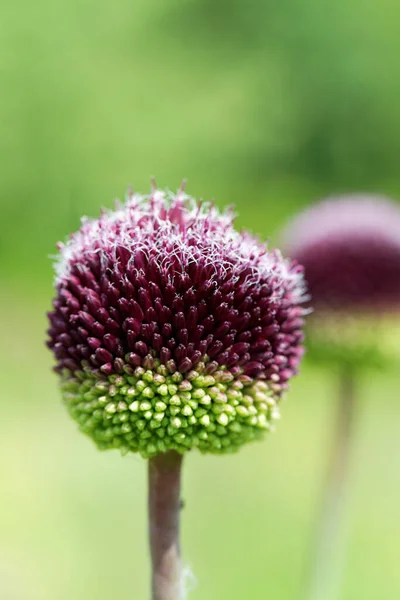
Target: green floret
(358,341)
(152,411)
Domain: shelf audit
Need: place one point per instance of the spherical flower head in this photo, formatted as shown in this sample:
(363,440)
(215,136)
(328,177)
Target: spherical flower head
(171,330)
(350,249)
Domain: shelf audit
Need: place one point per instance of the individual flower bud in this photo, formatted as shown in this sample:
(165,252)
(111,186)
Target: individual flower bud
(350,249)
(167,324)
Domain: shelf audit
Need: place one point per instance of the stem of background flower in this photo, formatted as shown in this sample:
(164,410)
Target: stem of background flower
(329,549)
(164,516)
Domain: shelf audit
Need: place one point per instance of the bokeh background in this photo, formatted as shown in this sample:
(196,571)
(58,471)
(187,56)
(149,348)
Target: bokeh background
(265,104)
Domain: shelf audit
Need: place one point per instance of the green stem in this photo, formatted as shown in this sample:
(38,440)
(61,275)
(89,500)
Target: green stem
(329,550)
(164,502)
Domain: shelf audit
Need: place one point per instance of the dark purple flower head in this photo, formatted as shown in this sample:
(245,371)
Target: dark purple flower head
(350,249)
(172,330)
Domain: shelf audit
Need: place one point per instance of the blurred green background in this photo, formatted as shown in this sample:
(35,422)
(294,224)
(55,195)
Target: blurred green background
(267,105)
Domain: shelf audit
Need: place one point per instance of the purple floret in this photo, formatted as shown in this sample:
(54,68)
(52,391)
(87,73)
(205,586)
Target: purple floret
(165,277)
(350,249)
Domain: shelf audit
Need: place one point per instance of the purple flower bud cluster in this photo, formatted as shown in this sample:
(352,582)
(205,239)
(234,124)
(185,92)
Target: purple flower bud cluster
(167,321)
(350,250)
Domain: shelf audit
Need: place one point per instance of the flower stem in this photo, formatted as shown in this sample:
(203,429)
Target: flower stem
(329,549)
(164,515)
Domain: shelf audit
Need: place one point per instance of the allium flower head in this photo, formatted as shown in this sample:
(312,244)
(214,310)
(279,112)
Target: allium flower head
(350,250)
(171,330)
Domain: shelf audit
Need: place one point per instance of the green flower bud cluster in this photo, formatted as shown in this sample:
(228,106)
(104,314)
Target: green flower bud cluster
(155,410)
(357,341)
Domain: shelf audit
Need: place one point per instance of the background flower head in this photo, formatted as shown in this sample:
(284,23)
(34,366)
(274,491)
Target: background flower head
(350,249)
